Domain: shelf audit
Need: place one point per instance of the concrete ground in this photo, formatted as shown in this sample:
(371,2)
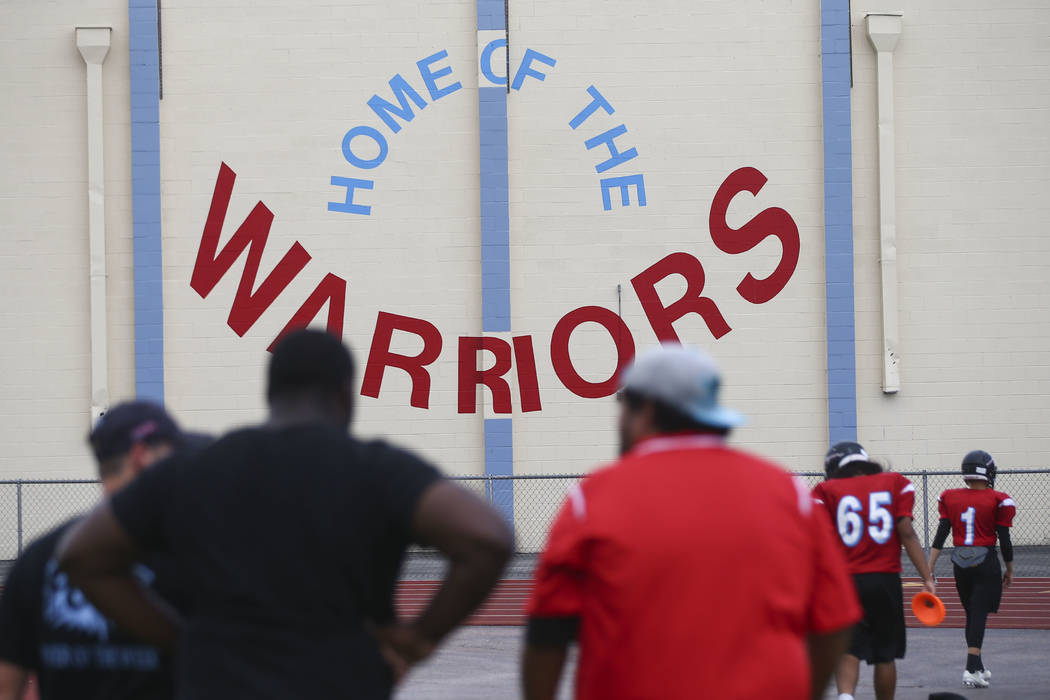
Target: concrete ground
(481,663)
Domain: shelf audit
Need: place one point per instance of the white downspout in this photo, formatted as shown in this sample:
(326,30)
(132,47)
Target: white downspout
(883,32)
(93,43)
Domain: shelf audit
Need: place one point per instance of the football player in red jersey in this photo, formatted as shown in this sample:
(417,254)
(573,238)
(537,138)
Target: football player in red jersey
(872,512)
(977,515)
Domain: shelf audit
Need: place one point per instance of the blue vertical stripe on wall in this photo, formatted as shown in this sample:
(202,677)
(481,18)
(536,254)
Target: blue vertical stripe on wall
(491,15)
(495,251)
(495,185)
(145,198)
(838,220)
(495,214)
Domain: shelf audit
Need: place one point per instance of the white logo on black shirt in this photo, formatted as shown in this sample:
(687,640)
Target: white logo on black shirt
(66,607)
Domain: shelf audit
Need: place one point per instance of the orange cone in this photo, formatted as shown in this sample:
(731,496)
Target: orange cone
(928,608)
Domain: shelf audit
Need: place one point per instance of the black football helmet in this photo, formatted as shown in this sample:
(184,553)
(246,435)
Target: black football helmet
(841,454)
(979,465)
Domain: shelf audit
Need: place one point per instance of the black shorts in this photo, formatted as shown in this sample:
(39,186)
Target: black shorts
(880,636)
(981,586)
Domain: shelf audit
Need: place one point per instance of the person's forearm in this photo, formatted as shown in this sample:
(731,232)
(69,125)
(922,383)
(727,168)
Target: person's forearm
(934,555)
(825,651)
(477,542)
(1005,543)
(944,528)
(541,669)
(133,607)
(917,556)
(97,555)
(468,582)
(12,681)
(910,540)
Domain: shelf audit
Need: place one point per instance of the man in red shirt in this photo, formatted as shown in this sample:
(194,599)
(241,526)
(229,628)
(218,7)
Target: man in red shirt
(977,515)
(872,511)
(687,569)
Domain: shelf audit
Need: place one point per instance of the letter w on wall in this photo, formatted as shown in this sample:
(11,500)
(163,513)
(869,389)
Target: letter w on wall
(211,266)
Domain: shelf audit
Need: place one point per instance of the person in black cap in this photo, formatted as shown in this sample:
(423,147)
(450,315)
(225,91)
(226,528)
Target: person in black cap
(46,625)
(842,454)
(871,510)
(291,534)
(977,516)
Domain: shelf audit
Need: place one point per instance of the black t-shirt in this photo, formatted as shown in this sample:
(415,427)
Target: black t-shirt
(49,627)
(290,542)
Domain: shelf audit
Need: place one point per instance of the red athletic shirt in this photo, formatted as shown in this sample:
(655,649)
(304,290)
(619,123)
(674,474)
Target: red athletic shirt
(695,570)
(975,513)
(865,510)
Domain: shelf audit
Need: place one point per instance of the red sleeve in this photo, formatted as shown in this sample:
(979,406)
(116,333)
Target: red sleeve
(1005,511)
(824,503)
(904,499)
(942,507)
(833,600)
(558,586)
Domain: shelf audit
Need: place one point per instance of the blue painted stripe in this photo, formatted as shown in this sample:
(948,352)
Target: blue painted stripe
(145,199)
(495,210)
(495,251)
(838,220)
(491,15)
(499,461)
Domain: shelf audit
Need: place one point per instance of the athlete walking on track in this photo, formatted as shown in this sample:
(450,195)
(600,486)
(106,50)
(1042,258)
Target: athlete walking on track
(976,516)
(687,569)
(872,511)
(290,536)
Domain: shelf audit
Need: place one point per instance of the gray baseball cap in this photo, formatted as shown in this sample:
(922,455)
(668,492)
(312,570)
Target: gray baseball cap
(685,379)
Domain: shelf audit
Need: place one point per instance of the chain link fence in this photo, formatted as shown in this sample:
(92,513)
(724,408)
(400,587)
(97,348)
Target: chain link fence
(28,509)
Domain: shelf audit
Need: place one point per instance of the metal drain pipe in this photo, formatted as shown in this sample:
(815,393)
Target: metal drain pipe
(93,43)
(883,31)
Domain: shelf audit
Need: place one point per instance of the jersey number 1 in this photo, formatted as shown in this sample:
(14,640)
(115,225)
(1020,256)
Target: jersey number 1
(851,526)
(968,517)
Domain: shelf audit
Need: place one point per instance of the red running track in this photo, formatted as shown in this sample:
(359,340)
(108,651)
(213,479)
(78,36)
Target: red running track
(1026,605)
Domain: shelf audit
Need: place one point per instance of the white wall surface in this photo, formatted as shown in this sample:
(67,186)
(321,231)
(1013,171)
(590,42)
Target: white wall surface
(44,354)
(273,90)
(973,168)
(702,89)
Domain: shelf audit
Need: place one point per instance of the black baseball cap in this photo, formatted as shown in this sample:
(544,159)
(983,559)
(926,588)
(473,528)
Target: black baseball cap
(131,422)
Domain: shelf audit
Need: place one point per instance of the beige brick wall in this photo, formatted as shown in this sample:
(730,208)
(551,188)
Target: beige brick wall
(293,80)
(44,355)
(973,167)
(289,89)
(702,90)
(694,88)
